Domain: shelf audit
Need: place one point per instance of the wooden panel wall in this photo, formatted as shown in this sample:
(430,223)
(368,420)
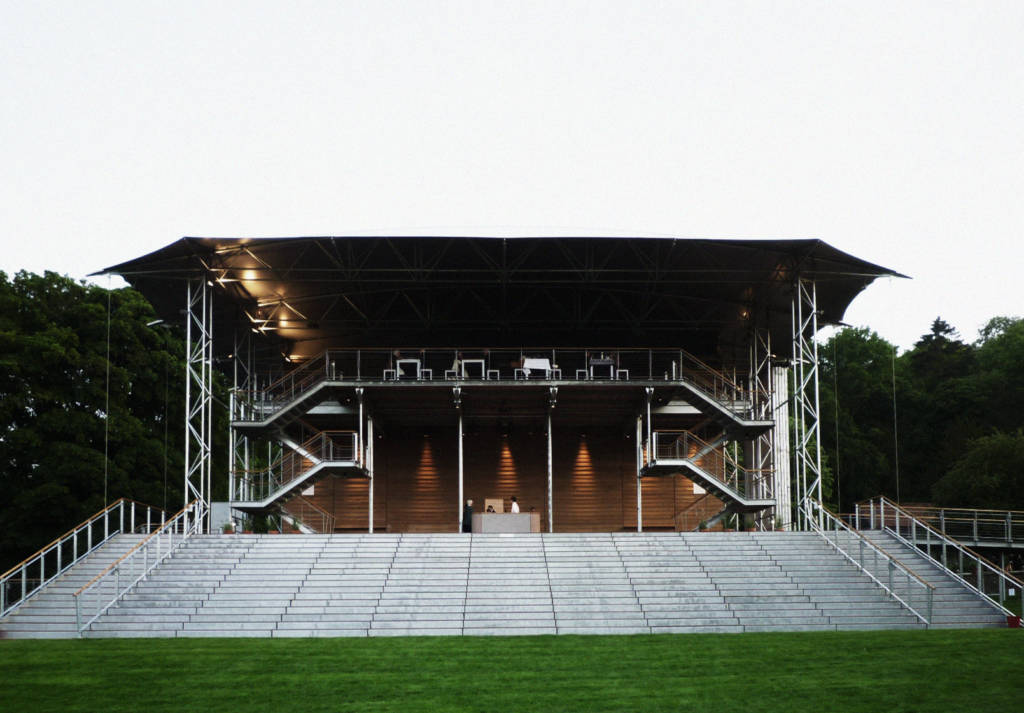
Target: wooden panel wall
(501,464)
(587,473)
(348,498)
(422,479)
(594,482)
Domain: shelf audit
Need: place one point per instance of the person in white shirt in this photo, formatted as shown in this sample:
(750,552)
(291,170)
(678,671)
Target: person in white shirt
(515,505)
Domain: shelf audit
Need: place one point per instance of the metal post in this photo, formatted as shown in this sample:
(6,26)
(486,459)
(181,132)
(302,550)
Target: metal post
(975,529)
(1002,580)
(369,435)
(639,467)
(360,453)
(462,494)
(551,526)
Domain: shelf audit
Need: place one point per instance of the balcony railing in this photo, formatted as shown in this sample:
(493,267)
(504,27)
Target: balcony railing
(473,365)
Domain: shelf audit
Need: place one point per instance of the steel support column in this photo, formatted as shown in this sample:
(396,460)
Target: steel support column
(762,388)
(241,400)
(457,396)
(198,393)
(369,464)
(805,395)
(552,400)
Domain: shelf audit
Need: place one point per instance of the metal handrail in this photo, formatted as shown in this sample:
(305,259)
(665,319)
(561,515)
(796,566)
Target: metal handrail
(324,447)
(824,521)
(368,365)
(887,510)
(711,459)
(306,512)
(996,527)
(67,550)
(106,588)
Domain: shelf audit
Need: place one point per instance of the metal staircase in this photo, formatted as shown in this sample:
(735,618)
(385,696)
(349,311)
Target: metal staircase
(710,465)
(326,453)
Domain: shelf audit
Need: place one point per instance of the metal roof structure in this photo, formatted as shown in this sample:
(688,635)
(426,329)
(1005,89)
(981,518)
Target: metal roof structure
(306,294)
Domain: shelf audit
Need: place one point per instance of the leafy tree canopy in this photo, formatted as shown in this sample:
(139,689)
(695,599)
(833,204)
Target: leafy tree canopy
(53,406)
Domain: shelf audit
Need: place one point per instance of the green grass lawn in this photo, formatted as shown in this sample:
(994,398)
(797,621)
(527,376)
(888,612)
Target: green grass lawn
(971,671)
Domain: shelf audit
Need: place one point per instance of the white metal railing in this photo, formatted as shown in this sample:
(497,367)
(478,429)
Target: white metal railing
(972,570)
(900,582)
(109,586)
(981,527)
(23,581)
(262,401)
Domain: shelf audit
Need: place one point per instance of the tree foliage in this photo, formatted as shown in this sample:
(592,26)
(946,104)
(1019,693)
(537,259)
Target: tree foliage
(944,415)
(53,407)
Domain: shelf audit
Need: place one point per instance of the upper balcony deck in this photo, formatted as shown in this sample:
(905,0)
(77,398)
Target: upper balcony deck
(496,369)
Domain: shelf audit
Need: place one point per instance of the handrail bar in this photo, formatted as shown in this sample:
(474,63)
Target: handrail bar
(909,508)
(69,542)
(139,544)
(75,529)
(894,563)
(944,540)
(101,603)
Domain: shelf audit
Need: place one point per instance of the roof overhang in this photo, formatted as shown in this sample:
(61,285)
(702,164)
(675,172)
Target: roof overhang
(304,294)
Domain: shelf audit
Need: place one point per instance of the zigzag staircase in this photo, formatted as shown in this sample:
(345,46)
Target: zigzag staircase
(732,414)
(326,453)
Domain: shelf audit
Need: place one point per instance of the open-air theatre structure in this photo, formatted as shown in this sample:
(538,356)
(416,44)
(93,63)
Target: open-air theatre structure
(608,383)
(621,393)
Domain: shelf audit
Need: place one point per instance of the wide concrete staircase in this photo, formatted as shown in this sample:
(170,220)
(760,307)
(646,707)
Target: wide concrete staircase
(50,614)
(419,584)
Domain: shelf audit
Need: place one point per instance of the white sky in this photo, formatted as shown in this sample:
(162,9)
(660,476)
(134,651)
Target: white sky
(892,130)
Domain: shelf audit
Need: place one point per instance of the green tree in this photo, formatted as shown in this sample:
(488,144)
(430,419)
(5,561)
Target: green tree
(53,377)
(989,474)
(856,395)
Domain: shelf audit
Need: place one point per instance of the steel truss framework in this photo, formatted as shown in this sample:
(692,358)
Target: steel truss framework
(806,424)
(198,393)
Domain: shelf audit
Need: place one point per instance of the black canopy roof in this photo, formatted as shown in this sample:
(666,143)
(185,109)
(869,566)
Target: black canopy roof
(307,293)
